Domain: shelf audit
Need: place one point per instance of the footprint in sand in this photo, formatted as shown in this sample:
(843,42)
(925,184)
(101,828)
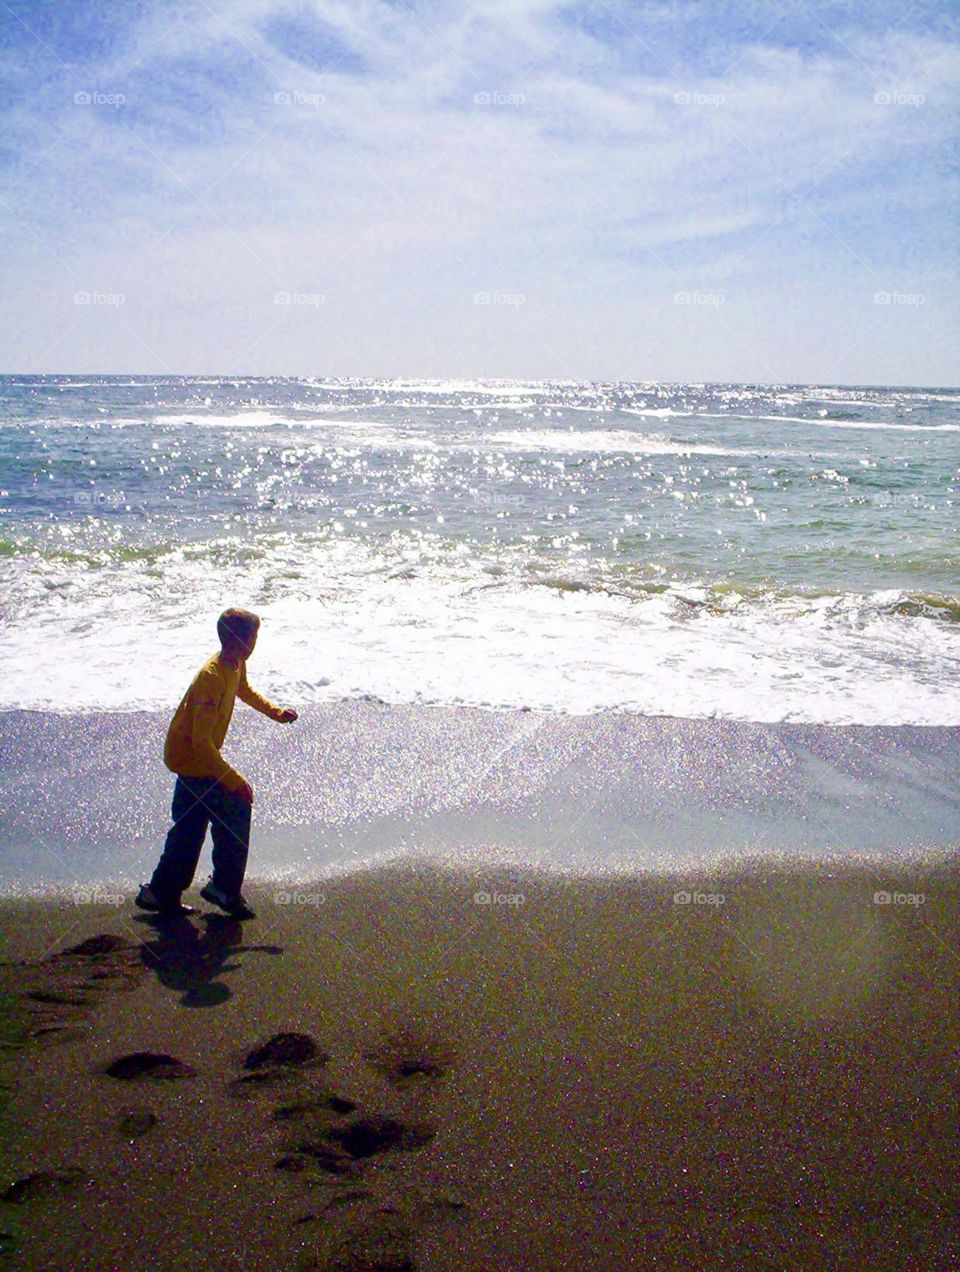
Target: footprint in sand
(344,1150)
(277,1062)
(286,1049)
(338,1145)
(44,1183)
(156,1065)
(365,1136)
(326,1103)
(406,1055)
(62,988)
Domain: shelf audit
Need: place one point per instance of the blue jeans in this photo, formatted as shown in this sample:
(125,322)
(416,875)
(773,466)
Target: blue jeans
(199,802)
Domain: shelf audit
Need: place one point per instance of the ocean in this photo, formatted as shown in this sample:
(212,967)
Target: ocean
(760,558)
(746,553)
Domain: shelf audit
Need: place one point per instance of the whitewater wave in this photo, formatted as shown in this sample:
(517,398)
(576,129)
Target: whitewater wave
(834,423)
(344,620)
(303,418)
(609,441)
(489,388)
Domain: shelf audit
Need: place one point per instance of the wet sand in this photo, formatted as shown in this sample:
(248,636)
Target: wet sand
(503,1069)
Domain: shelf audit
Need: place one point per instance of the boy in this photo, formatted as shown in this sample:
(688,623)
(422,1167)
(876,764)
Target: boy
(208,791)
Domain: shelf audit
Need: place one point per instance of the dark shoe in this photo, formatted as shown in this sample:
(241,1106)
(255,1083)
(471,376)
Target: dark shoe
(235,906)
(145,900)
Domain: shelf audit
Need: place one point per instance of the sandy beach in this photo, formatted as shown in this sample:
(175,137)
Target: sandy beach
(479,637)
(489,1069)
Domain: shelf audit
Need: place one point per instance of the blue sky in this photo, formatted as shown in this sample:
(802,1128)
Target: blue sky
(517,188)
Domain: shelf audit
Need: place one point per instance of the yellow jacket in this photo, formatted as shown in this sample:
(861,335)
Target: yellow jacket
(200,723)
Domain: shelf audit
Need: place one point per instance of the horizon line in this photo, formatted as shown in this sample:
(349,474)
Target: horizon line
(490,379)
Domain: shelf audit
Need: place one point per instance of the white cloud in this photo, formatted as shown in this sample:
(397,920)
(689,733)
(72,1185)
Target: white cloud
(398,188)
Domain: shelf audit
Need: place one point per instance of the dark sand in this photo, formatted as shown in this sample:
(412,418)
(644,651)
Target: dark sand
(594,1078)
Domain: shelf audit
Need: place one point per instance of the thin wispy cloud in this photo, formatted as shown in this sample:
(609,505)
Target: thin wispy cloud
(660,191)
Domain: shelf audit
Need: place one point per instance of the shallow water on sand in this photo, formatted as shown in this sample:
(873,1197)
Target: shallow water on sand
(84,800)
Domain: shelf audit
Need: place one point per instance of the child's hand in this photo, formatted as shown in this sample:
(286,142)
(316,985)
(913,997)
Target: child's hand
(287,715)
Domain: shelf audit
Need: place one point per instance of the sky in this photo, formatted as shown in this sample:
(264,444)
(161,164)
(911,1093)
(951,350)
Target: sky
(724,191)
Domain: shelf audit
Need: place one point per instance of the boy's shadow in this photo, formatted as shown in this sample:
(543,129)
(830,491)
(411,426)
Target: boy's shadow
(191,961)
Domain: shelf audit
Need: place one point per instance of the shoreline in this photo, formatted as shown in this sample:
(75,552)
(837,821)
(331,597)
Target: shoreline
(508,711)
(110,895)
(597,1075)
